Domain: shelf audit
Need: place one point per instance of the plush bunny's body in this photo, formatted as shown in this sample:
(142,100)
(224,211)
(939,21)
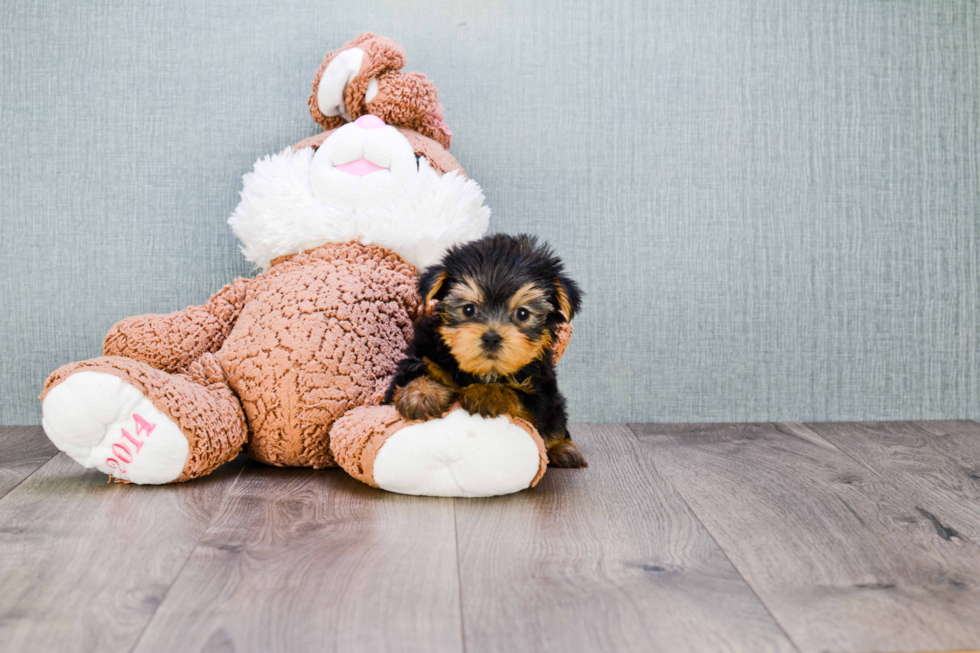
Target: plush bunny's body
(292,364)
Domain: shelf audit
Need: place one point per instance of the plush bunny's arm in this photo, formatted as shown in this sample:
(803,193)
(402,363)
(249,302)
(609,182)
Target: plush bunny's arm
(172,342)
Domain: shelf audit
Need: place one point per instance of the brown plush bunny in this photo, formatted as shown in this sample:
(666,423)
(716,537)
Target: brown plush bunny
(292,364)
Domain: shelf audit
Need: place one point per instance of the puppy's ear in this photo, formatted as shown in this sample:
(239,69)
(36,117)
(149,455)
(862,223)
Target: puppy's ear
(568,296)
(432,284)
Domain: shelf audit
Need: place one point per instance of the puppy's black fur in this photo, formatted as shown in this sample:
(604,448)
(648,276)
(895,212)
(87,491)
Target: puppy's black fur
(488,344)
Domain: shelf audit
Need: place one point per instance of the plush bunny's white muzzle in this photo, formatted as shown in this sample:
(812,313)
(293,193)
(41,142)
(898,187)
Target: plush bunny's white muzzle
(363,165)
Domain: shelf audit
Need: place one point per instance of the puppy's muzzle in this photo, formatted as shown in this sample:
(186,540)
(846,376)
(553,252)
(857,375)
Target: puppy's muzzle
(491,341)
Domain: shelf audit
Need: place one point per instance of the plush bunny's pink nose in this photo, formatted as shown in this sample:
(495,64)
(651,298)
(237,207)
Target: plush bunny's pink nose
(367,121)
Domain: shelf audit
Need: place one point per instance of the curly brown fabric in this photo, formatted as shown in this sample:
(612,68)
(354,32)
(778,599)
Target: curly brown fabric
(199,402)
(380,54)
(411,100)
(357,437)
(407,100)
(172,342)
(319,335)
(561,342)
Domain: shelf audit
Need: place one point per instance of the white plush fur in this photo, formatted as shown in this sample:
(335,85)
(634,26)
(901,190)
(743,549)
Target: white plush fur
(85,415)
(460,455)
(293,201)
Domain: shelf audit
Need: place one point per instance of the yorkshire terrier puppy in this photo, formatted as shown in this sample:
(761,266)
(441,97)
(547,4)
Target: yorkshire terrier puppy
(488,343)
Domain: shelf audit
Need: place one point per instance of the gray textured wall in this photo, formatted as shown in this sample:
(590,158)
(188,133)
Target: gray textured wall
(772,204)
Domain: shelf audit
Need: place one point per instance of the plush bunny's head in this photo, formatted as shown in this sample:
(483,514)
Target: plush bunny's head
(380,173)
(363,77)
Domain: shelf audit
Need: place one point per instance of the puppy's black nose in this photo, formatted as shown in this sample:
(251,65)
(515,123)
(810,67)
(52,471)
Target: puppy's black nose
(491,339)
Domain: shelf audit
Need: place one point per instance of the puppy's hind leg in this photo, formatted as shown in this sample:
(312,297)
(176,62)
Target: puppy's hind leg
(562,452)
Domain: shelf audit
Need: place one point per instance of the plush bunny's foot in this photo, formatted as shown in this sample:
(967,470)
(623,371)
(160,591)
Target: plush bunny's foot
(103,422)
(141,424)
(458,455)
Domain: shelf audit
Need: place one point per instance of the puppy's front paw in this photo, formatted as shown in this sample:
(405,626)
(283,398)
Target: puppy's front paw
(490,400)
(566,454)
(423,399)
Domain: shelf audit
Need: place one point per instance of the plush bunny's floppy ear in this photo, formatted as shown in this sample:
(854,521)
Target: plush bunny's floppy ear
(410,100)
(363,76)
(568,296)
(347,78)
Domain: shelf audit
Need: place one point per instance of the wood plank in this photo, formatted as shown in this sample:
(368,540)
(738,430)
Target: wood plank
(839,554)
(603,559)
(305,560)
(23,449)
(85,563)
(936,463)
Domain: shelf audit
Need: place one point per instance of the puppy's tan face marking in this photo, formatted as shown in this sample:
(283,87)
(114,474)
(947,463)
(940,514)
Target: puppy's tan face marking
(468,292)
(533,299)
(529,293)
(464,341)
(490,339)
(514,351)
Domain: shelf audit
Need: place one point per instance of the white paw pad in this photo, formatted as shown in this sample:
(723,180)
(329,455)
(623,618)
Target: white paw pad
(459,455)
(103,422)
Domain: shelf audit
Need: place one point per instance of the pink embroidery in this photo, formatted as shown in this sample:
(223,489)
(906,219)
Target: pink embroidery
(136,443)
(122,452)
(142,425)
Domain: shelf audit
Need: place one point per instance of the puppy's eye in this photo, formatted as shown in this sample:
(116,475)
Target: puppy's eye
(469,310)
(522,314)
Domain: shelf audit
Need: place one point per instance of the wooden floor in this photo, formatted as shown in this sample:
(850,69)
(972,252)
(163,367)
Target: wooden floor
(712,537)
